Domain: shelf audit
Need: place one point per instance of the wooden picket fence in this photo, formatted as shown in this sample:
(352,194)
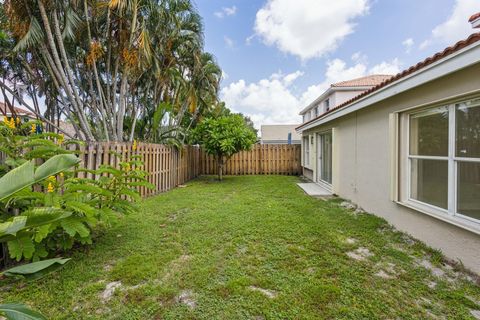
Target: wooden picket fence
(169,167)
(265,159)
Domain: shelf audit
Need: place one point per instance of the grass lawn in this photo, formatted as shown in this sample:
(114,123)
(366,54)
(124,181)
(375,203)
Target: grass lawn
(251,247)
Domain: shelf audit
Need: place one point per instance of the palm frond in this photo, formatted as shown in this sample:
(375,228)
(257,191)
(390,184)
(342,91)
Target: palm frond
(33,36)
(72,21)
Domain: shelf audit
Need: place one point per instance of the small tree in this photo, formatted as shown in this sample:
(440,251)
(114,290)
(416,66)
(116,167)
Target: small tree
(224,136)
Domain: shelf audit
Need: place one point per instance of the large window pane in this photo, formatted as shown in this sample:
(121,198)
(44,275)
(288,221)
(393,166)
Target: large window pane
(430,182)
(326,157)
(306,148)
(429,133)
(468,194)
(468,129)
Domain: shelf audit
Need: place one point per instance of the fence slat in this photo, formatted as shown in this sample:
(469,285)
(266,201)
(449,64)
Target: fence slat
(261,159)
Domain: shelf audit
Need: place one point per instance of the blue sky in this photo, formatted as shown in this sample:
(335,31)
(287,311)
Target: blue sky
(278,55)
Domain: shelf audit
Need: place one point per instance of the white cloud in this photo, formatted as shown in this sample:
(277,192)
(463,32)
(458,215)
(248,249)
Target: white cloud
(408,44)
(337,71)
(308,28)
(387,67)
(275,101)
(226,12)
(456,27)
(229,42)
(266,101)
(359,57)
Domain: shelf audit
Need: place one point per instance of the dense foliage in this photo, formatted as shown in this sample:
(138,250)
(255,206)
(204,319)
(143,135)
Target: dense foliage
(224,136)
(45,207)
(116,70)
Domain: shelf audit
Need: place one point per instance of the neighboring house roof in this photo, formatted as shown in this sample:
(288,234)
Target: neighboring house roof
(367,81)
(474,38)
(358,84)
(4,109)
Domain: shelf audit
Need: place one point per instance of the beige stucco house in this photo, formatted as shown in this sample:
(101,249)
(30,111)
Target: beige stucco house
(279,134)
(408,150)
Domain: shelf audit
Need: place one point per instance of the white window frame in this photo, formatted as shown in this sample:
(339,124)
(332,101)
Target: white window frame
(306,151)
(451,214)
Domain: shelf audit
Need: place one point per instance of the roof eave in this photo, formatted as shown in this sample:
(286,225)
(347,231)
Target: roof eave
(331,90)
(469,55)
(476,23)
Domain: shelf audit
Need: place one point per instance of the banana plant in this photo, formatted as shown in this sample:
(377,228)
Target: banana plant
(17,311)
(35,270)
(17,230)
(24,177)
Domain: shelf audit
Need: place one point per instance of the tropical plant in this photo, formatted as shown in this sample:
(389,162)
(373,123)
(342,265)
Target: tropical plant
(45,205)
(35,270)
(70,208)
(23,141)
(17,311)
(29,271)
(224,136)
(107,65)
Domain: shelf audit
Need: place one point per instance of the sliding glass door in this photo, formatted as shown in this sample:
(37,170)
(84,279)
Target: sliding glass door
(324,163)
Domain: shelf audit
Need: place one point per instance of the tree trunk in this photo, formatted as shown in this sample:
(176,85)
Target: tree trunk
(220,167)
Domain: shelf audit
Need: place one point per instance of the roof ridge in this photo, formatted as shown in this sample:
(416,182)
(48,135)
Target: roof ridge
(355,82)
(5,108)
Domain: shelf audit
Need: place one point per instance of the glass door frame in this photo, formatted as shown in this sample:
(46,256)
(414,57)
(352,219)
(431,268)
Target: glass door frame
(320,158)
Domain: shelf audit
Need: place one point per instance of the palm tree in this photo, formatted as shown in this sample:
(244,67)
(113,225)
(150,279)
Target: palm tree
(108,65)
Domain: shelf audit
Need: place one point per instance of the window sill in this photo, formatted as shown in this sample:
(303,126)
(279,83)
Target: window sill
(441,215)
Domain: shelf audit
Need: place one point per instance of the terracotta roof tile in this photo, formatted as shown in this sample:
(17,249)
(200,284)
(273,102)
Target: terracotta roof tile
(428,61)
(19,111)
(368,81)
(474,17)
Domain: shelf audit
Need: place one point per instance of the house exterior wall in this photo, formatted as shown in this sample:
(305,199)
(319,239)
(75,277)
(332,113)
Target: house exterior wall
(336,97)
(278,134)
(362,165)
(343,96)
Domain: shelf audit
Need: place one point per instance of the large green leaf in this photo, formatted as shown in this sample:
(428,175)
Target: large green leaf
(21,246)
(16,311)
(31,218)
(16,179)
(54,165)
(44,215)
(36,270)
(12,227)
(73,225)
(81,207)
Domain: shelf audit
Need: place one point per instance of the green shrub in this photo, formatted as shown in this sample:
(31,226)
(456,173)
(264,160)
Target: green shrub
(46,208)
